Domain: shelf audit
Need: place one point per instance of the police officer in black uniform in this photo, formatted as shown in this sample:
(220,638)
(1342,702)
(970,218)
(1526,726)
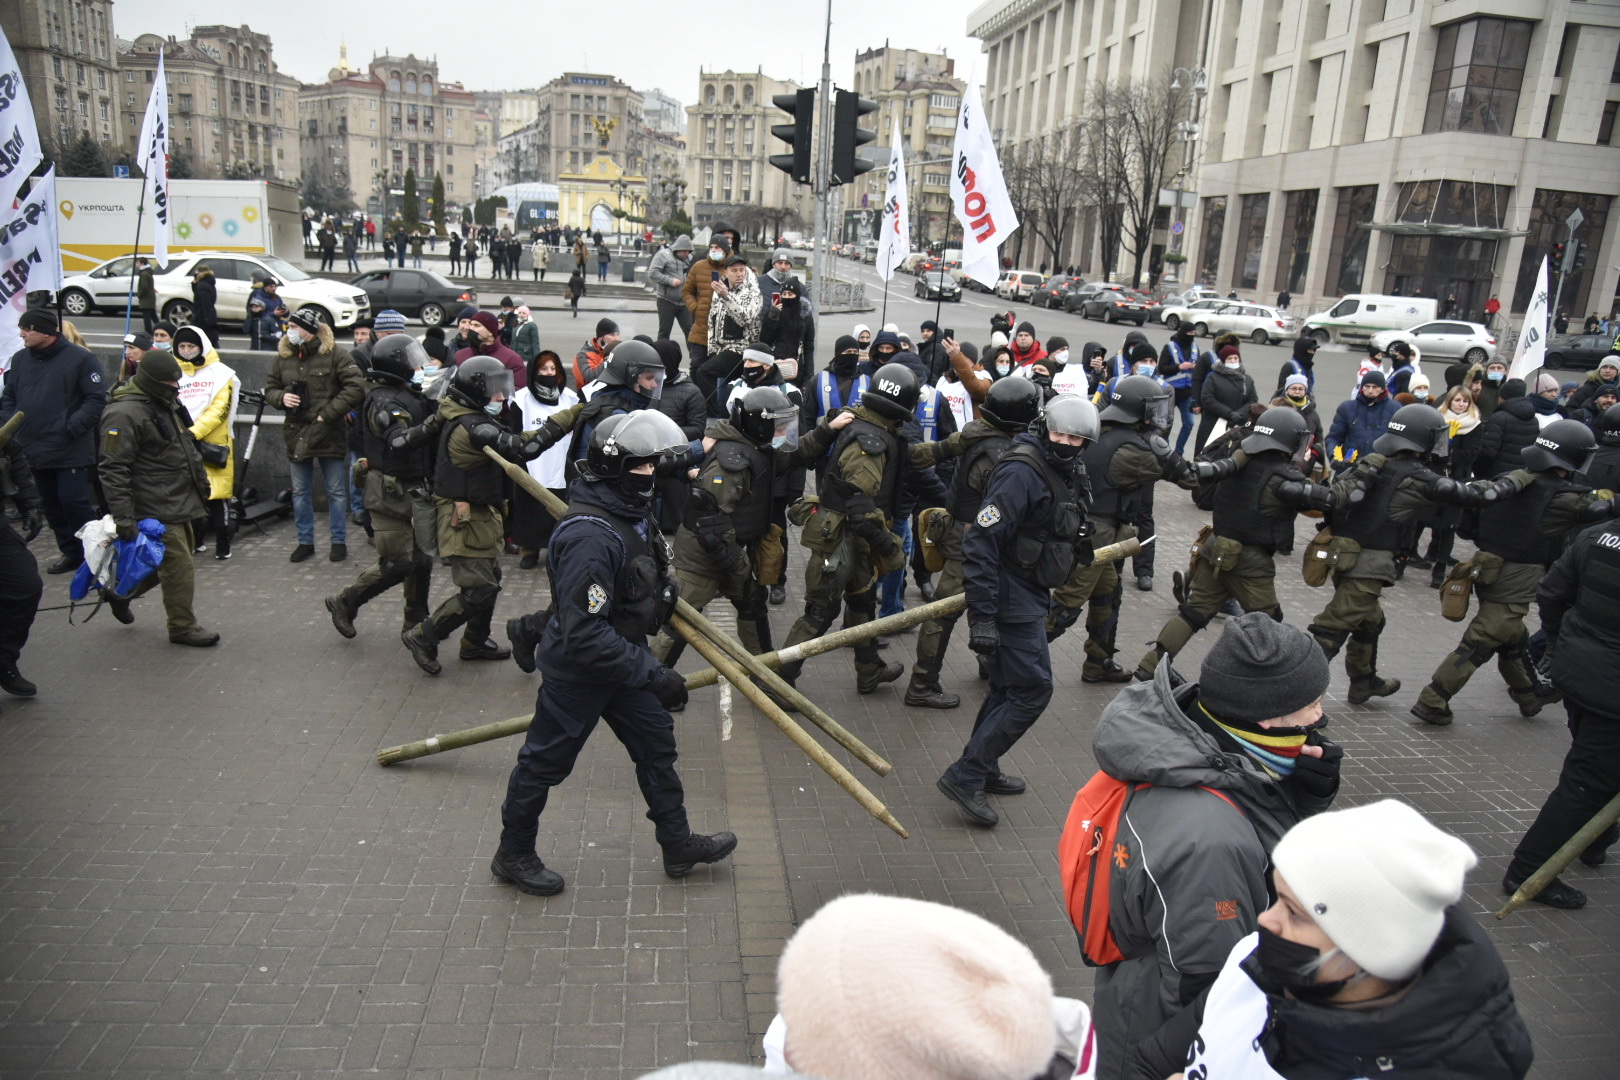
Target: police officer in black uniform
(1254,510)
(397,443)
(1603,471)
(1580,611)
(1123,463)
(1025,541)
(632,379)
(1010,406)
(20,585)
(611,588)
(1518,538)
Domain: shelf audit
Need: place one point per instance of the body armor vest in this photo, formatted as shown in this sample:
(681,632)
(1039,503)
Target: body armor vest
(1044,553)
(1237,503)
(1108,500)
(1597,603)
(408,465)
(483,486)
(836,492)
(1511,527)
(965,497)
(751,517)
(1368,522)
(643,592)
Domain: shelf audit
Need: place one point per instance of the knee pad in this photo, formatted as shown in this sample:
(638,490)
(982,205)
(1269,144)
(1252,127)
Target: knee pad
(1331,640)
(481,597)
(863,603)
(1192,616)
(1368,636)
(821,613)
(396,569)
(422,562)
(1479,656)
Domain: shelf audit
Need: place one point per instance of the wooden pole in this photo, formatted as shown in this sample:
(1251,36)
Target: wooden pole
(9,428)
(1562,857)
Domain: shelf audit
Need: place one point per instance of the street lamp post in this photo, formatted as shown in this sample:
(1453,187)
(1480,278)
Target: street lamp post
(1187,132)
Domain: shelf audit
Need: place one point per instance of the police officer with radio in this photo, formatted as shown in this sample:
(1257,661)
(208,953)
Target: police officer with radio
(1254,510)
(1399,482)
(469,496)
(1025,541)
(398,429)
(849,531)
(611,588)
(1518,537)
(1123,462)
(727,532)
(1010,406)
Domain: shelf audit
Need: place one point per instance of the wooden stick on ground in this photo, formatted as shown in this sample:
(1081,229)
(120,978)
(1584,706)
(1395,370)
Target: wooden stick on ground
(1562,857)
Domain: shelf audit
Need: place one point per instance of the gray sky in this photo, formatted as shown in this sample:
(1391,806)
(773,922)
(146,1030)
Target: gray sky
(647,44)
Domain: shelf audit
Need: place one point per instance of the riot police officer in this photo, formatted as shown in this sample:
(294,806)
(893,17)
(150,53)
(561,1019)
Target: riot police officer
(849,532)
(1518,537)
(1009,407)
(727,531)
(1254,511)
(1580,611)
(1366,535)
(1124,461)
(398,445)
(469,492)
(1603,471)
(1025,541)
(611,588)
(20,585)
(632,379)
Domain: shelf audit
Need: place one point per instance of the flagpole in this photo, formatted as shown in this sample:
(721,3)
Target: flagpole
(885,317)
(129,299)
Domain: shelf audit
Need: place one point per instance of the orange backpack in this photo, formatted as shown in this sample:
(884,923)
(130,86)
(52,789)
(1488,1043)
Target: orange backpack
(1088,852)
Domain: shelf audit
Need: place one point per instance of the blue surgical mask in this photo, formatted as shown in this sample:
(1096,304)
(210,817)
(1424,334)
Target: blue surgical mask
(1496,376)
(164,345)
(432,369)
(418,376)
(494,407)
(778,442)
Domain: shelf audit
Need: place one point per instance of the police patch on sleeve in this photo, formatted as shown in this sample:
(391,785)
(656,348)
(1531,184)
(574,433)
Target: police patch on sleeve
(988,516)
(596,598)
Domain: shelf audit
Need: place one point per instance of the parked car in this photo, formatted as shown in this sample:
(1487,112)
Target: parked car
(1445,339)
(1583,352)
(1019,284)
(1258,323)
(1075,298)
(416,294)
(102,289)
(1051,294)
(1115,303)
(1358,316)
(938,285)
(1173,315)
(235,274)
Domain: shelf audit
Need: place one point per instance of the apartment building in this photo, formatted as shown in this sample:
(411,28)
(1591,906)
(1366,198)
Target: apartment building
(69,61)
(921,90)
(728,147)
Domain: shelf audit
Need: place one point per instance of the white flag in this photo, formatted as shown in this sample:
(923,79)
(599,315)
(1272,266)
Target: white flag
(979,192)
(152,157)
(894,242)
(30,256)
(1531,352)
(19,136)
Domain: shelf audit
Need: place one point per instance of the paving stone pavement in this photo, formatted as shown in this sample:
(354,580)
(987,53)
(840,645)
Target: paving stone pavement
(203,870)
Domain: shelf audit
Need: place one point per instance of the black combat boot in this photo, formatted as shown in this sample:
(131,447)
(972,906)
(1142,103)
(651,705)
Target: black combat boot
(1430,715)
(1363,687)
(342,614)
(527,872)
(1105,672)
(484,650)
(1556,893)
(424,646)
(525,638)
(1532,701)
(13,683)
(868,677)
(1004,784)
(924,692)
(679,859)
(972,803)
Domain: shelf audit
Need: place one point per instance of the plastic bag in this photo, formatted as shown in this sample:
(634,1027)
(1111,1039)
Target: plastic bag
(117,566)
(97,537)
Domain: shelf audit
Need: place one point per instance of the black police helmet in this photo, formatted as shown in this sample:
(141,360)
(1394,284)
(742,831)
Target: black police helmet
(1011,405)
(397,357)
(1562,444)
(1418,428)
(1067,414)
(757,413)
(625,440)
(1610,426)
(893,393)
(1280,428)
(1133,399)
(478,380)
(628,361)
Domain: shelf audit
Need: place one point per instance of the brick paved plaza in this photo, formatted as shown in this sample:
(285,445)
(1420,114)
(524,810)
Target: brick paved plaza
(204,871)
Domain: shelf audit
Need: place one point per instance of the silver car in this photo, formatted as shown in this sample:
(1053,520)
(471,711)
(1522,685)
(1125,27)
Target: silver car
(1444,339)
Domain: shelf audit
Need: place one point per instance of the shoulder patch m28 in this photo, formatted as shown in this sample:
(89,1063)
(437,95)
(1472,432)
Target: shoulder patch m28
(988,516)
(595,599)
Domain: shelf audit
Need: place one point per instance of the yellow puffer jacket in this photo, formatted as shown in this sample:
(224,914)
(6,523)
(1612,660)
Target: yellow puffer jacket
(210,418)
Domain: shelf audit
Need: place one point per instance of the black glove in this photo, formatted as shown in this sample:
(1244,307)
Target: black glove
(32,523)
(880,540)
(1319,776)
(669,688)
(127,530)
(1059,621)
(983,637)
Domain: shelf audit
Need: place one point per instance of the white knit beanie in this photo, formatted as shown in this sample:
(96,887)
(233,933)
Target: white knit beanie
(1377,879)
(885,988)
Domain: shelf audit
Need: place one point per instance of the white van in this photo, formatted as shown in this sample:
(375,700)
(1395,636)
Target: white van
(869,252)
(1359,316)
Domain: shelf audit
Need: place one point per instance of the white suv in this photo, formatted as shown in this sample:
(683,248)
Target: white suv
(235,274)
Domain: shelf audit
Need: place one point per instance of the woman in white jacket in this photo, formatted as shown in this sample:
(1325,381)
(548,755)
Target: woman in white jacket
(546,394)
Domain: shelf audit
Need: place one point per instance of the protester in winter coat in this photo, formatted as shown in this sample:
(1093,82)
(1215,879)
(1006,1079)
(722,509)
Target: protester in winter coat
(698,295)
(787,327)
(1510,429)
(1296,393)
(1026,347)
(205,301)
(1607,371)
(1492,380)
(1234,761)
(593,354)
(1462,418)
(546,394)
(736,311)
(487,331)
(1227,393)
(525,336)
(1418,391)
(1359,420)
(1302,362)
(208,391)
(1366,965)
(666,276)
(1546,399)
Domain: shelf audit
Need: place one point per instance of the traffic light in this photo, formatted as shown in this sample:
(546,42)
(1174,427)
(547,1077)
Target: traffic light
(848,108)
(1577,259)
(1560,254)
(801,105)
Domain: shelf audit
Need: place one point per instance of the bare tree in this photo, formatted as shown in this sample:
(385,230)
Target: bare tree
(1148,135)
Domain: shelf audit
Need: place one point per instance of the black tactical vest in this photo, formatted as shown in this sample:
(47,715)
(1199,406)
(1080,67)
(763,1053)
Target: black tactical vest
(874,439)
(751,517)
(482,486)
(643,592)
(1044,553)
(408,465)
(1107,500)
(1237,503)
(1511,528)
(1597,602)
(965,497)
(1368,522)
(1604,472)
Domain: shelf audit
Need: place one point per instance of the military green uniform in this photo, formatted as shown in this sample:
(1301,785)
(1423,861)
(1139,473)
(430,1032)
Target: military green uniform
(1254,511)
(150,468)
(851,525)
(728,517)
(1518,538)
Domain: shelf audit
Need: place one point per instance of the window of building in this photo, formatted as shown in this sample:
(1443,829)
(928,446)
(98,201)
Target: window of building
(1606,125)
(728,95)
(101,80)
(106,112)
(393,82)
(708,97)
(942,101)
(1478,71)
(1299,222)
(748,99)
(1549,210)
(1453,264)
(1251,237)
(1214,230)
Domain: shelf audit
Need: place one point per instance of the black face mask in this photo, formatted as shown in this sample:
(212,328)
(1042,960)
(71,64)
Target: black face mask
(789,302)
(1293,967)
(844,363)
(754,376)
(553,380)
(1060,452)
(1041,379)
(636,487)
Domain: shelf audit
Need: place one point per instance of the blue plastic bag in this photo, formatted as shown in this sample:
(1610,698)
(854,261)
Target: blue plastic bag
(133,562)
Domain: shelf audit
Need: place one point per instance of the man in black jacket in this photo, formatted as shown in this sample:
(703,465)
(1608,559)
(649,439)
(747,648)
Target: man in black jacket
(1511,428)
(20,587)
(60,387)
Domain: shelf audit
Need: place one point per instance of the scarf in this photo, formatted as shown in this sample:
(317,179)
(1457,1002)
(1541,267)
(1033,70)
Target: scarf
(1545,407)
(1462,425)
(1275,753)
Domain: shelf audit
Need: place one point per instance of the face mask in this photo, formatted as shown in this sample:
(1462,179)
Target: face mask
(778,442)
(1062,451)
(295,335)
(844,363)
(1232,365)
(1040,378)
(431,369)
(542,379)
(753,376)
(1293,966)
(189,352)
(637,487)
(1146,369)
(1061,356)
(790,302)
(1421,395)
(1496,376)
(1002,369)
(494,407)
(164,345)
(418,377)
(715,254)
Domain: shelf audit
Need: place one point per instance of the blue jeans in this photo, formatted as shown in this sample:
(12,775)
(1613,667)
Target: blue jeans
(1184,406)
(357,501)
(335,476)
(892,586)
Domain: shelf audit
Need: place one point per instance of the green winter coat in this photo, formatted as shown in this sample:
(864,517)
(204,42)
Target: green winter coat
(149,465)
(334,386)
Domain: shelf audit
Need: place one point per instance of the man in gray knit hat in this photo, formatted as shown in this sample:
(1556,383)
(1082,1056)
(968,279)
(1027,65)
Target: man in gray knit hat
(1234,761)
